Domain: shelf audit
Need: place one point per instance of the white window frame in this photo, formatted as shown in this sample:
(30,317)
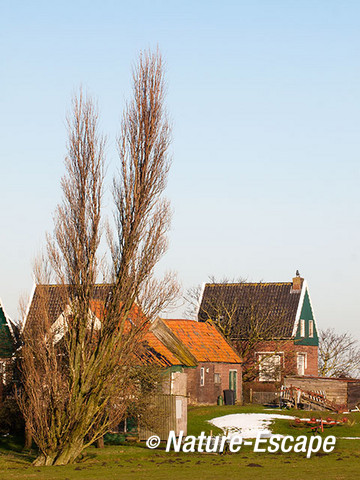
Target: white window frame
(311,328)
(263,377)
(302,328)
(202,376)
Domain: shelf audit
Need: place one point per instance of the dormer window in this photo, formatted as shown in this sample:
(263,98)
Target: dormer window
(302,328)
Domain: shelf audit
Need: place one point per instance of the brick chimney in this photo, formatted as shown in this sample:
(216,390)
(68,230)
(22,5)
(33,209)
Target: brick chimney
(297,282)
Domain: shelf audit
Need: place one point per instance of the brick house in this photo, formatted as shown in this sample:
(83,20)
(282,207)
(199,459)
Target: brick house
(204,356)
(272,325)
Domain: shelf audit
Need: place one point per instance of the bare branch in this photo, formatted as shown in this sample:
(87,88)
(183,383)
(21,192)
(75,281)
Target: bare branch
(339,354)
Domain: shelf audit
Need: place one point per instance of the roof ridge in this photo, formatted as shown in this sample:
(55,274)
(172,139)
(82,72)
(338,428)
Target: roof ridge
(247,283)
(179,320)
(69,284)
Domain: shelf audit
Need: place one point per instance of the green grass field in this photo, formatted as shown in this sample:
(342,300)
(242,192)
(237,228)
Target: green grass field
(137,462)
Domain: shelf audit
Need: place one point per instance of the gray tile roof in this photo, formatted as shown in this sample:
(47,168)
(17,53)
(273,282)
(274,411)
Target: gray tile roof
(270,307)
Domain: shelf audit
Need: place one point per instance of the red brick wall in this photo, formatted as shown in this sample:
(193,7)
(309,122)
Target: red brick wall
(289,351)
(209,392)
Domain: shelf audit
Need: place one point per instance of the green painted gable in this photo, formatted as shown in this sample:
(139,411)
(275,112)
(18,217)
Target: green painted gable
(306,314)
(6,339)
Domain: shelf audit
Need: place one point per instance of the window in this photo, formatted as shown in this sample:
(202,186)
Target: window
(302,328)
(202,376)
(269,367)
(217,378)
(311,328)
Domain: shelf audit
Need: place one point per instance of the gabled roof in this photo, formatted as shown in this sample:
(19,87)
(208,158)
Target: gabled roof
(274,306)
(8,334)
(204,342)
(50,304)
(50,301)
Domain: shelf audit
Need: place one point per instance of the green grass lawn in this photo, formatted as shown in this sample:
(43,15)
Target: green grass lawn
(198,420)
(138,462)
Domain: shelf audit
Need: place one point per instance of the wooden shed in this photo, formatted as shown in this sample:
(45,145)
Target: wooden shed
(172,413)
(340,391)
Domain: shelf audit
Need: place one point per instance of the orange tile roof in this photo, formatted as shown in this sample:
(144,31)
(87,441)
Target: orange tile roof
(157,352)
(203,340)
(135,316)
(98,308)
(153,351)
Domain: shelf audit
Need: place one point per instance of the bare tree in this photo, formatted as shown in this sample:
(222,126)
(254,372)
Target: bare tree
(76,376)
(339,354)
(191,298)
(56,383)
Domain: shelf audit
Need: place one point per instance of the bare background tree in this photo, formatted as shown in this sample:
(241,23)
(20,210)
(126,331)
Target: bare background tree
(339,354)
(75,373)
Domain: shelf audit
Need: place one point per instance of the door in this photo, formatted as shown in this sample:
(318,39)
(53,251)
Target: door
(301,363)
(233,381)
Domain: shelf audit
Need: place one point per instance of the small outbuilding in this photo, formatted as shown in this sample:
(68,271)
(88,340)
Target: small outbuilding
(343,393)
(209,361)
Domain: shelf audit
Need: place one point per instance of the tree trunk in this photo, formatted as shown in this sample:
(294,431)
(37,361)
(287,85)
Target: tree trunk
(100,442)
(28,438)
(43,459)
(68,455)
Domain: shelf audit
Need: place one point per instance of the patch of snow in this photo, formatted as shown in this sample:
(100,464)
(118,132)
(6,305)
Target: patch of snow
(248,425)
(349,438)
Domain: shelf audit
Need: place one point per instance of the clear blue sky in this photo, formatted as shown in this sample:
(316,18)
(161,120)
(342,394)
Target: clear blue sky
(264,98)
